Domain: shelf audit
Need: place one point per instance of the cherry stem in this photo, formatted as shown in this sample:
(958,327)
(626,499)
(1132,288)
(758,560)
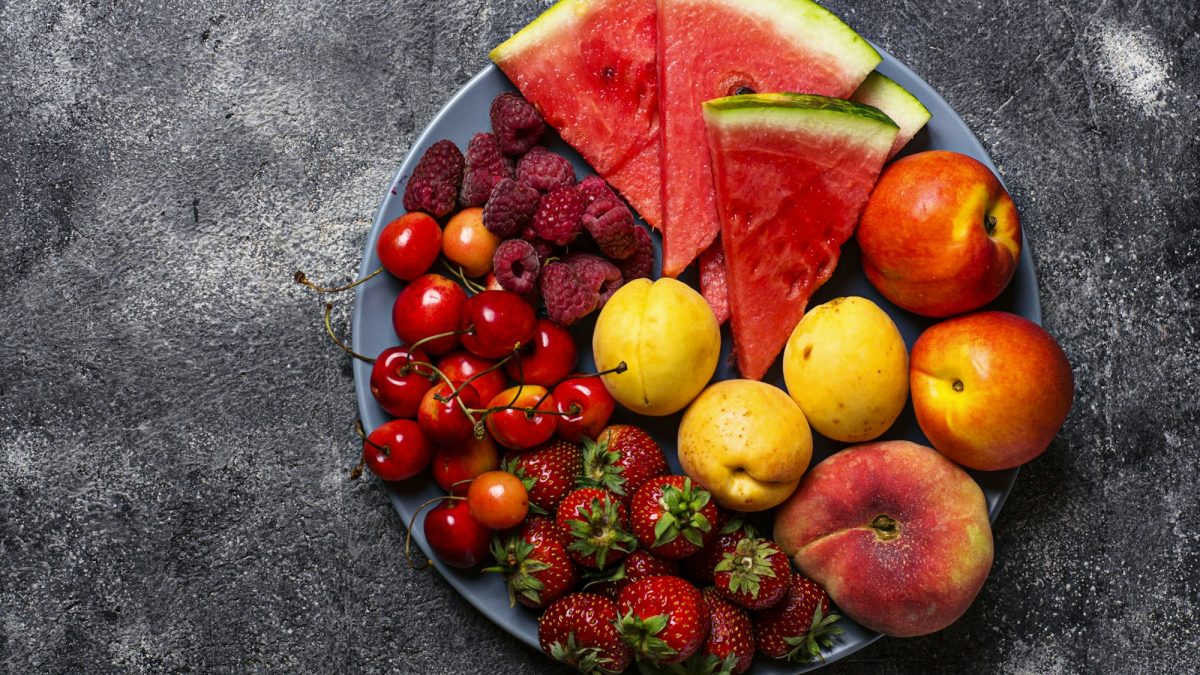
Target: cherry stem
(412,522)
(457,271)
(437,336)
(358,429)
(620,368)
(302,279)
(336,341)
(478,375)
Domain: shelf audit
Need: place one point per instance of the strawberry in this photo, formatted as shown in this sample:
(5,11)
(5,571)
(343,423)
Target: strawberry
(672,517)
(662,618)
(621,459)
(729,648)
(548,471)
(754,573)
(636,565)
(596,521)
(578,631)
(699,567)
(534,563)
(800,625)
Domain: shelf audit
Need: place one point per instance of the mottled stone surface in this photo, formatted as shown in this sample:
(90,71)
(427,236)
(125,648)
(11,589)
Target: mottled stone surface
(174,428)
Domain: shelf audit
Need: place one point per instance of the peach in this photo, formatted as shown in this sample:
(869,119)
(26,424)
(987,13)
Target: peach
(897,534)
(990,389)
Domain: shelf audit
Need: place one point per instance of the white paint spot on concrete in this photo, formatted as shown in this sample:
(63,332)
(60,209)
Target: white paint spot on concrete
(1138,65)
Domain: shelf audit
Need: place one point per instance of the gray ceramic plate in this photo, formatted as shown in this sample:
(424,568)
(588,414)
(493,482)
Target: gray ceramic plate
(466,114)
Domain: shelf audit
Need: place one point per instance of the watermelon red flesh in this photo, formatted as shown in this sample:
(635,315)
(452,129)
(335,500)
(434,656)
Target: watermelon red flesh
(589,67)
(792,175)
(712,48)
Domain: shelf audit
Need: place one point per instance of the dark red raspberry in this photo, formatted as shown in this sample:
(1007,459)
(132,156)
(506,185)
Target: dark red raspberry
(517,124)
(641,263)
(486,166)
(611,224)
(544,248)
(433,185)
(593,188)
(597,274)
(567,297)
(510,208)
(559,216)
(545,171)
(516,266)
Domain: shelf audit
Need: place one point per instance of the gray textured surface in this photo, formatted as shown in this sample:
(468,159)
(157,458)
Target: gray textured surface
(174,429)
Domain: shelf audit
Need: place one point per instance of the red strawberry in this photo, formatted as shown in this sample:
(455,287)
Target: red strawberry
(729,648)
(622,458)
(672,517)
(548,471)
(800,625)
(699,568)
(754,573)
(578,631)
(662,618)
(535,563)
(596,521)
(637,565)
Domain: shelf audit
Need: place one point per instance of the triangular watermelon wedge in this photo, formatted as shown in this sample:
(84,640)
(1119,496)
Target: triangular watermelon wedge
(589,67)
(713,48)
(906,110)
(792,174)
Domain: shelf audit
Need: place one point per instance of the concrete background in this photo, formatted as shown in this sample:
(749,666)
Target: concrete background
(175,429)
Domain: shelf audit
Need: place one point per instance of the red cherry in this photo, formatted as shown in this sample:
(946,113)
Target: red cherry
(397,384)
(397,450)
(549,357)
(456,538)
(497,322)
(430,305)
(454,466)
(408,245)
(587,406)
(519,429)
(462,366)
(445,422)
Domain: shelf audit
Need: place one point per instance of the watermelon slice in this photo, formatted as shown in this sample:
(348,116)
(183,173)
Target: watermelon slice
(905,110)
(713,48)
(792,174)
(589,67)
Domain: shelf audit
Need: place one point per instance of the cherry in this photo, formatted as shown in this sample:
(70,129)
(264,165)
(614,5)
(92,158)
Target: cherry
(520,429)
(397,450)
(586,406)
(498,500)
(445,421)
(456,537)
(430,305)
(470,244)
(462,366)
(397,383)
(491,283)
(496,323)
(408,246)
(549,356)
(454,466)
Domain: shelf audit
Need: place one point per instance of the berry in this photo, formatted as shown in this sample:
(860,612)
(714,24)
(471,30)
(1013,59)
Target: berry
(559,216)
(456,538)
(596,520)
(498,499)
(611,224)
(593,188)
(409,245)
(699,568)
(516,123)
(729,648)
(672,517)
(534,563)
(662,618)
(516,265)
(637,565)
(578,631)
(567,297)
(797,627)
(596,273)
(486,165)
(510,208)
(545,171)
(433,186)
(753,573)
(640,264)
(549,472)
(397,450)
(621,460)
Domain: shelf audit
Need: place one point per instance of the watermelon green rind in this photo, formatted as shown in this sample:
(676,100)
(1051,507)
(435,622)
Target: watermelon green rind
(777,108)
(907,110)
(537,32)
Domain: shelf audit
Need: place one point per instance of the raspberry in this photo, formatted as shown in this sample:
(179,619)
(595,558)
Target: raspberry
(516,265)
(543,248)
(597,274)
(517,124)
(545,170)
(486,166)
(509,208)
(559,216)
(433,185)
(611,224)
(593,188)
(641,263)
(568,299)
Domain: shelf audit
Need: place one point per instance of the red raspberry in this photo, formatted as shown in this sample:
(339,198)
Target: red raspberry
(544,171)
(516,265)
(433,185)
(597,274)
(486,166)
(611,224)
(567,297)
(509,208)
(593,188)
(559,216)
(517,124)
(641,263)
